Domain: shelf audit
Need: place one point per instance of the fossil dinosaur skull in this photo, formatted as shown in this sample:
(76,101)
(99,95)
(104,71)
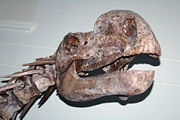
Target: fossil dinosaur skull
(86,66)
(94,64)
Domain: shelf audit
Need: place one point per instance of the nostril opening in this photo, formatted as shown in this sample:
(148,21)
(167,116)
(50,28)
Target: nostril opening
(85,43)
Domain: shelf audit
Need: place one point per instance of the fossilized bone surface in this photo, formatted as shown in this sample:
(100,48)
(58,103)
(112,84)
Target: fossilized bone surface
(86,65)
(118,36)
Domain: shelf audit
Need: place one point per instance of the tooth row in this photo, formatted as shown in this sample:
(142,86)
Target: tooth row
(125,68)
(115,63)
(83,74)
(106,69)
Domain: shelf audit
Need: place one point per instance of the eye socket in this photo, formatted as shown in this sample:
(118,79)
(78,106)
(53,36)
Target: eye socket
(71,43)
(129,28)
(73,48)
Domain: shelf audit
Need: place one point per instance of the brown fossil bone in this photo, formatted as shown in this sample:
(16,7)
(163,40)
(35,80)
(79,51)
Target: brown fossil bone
(117,38)
(86,65)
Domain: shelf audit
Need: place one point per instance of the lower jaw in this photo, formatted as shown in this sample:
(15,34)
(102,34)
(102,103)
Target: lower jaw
(128,83)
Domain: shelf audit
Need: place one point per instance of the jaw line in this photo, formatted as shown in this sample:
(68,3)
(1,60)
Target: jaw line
(131,82)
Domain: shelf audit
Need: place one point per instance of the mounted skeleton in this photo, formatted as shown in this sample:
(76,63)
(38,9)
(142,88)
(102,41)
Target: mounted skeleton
(86,66)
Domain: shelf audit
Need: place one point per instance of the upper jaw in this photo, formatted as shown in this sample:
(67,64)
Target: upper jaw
(122,59)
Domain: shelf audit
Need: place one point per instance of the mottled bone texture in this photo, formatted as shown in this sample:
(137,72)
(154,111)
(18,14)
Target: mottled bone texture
(107,43)
(86,65)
